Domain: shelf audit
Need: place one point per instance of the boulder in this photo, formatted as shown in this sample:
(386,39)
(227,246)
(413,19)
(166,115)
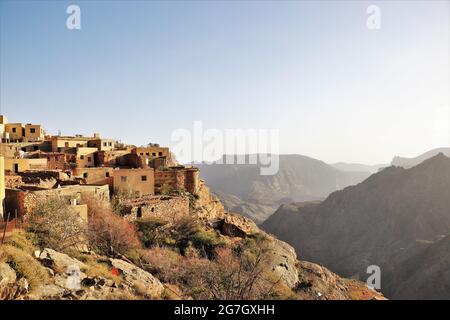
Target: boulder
(237,226)
(138,278)
(7,275)
(60,262)
(49,291)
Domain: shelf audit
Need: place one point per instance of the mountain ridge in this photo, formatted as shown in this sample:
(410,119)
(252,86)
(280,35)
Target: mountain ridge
(373,222)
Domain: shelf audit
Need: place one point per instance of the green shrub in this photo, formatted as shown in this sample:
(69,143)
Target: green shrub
(151,231)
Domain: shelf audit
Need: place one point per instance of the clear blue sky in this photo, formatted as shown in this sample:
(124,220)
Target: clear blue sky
(137,70)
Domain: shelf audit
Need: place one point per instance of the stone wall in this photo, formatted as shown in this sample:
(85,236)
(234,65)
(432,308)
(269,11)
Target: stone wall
(177,179)
(55,161)
(13,181)
(25,200)
(167,208)
(111,158)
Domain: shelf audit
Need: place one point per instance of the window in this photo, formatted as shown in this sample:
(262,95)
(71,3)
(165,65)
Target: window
(160,154)
(85,175)
(154,154)
(147,154)
(110,144)
(144,178)
(66,144)
(142,153)
(82,157)
(89,159)
(107,174)
(32,130)
(123,179)
(14,130)
(48,158)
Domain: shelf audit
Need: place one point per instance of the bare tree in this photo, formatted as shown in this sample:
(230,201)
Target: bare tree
(56,224)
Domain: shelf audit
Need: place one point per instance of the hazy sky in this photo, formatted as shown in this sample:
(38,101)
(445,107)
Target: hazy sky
(137,71)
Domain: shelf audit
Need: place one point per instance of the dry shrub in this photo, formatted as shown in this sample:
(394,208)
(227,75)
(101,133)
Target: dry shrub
(235,275)
(172,268)
(109,233)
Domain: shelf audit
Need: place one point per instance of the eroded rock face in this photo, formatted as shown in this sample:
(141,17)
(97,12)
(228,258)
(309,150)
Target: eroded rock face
(207,207)
(319,283)
(138,278)
(282,261)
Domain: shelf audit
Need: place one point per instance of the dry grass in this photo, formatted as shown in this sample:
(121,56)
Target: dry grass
(23,241)
(24,265)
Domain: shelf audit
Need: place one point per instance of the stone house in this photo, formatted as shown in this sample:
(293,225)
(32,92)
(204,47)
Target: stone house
(167,208)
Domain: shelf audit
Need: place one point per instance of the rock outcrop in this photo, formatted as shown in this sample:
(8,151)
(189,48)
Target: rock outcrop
(234,225)
(139,279)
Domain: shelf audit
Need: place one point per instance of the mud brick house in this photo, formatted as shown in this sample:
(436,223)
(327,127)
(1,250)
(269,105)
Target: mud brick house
(66,143)
(18,132)
(85,157)
(112,158)
(151,152)
(14,132)
(96,175)
(55,160)
(101,144)
(153,156)
(34,132)
(21,165)
(137,181)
